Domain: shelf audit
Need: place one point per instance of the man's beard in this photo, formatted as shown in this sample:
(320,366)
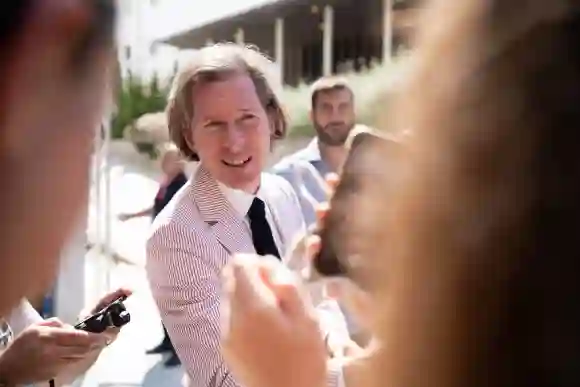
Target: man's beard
(331,136)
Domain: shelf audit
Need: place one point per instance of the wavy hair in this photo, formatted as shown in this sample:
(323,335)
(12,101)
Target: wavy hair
(214,63)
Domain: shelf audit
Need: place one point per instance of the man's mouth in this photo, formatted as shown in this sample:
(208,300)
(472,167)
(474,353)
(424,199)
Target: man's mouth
(237,163)
(336,125)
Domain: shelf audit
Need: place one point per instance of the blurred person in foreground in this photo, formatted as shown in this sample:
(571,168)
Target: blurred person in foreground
(52,97)
(482,254)
(172,166)
(371,152)
(224,112)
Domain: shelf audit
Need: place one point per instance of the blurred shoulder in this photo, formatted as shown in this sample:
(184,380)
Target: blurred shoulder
(274,183)
(179,214)
(291,161)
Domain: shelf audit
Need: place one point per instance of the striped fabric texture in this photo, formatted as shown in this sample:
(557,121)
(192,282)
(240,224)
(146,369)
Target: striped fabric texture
(190,242)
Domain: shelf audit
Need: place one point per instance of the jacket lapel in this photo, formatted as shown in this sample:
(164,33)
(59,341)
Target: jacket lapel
(217,212)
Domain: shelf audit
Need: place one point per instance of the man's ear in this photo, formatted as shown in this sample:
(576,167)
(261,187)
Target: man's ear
(188,138)
(271,121)
(311,115)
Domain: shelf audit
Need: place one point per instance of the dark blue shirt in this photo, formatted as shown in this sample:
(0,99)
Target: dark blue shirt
(166,193)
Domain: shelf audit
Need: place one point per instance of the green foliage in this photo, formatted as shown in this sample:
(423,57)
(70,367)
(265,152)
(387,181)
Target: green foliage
(136,98)
(147,148)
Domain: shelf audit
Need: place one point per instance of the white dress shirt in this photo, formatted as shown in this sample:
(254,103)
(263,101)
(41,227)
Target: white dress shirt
(22,317)
(241,202)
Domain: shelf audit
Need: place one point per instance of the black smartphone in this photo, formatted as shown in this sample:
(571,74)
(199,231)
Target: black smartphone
(366,156)
(113,315)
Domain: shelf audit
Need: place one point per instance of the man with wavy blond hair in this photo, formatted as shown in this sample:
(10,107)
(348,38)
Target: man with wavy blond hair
(225,113)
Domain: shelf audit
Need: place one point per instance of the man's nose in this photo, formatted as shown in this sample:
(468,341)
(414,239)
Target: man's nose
(335,115)
(235,139)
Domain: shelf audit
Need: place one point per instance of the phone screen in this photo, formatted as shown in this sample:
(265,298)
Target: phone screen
(367,155)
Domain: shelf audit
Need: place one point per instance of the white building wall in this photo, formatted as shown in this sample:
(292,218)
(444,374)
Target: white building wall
(176,16)
(138,51)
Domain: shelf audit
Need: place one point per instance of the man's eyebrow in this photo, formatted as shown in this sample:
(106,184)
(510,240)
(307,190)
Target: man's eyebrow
(211,121)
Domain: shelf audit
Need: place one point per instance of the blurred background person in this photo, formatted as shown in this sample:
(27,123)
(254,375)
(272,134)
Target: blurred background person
(333,116)
(173,178)
(172,166)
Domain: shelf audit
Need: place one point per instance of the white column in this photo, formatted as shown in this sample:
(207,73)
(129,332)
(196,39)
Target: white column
(97,200)
(239,37)
(70,289)
(327,40)
(387,30)
(279,45)
(108,251)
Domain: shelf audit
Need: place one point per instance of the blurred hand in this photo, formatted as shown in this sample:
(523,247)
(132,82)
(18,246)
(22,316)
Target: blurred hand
(44,350)
(107,299)
(270,331)
(339,348)
(124,217)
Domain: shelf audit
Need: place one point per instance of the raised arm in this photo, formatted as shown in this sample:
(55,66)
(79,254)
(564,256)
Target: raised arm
(186,288)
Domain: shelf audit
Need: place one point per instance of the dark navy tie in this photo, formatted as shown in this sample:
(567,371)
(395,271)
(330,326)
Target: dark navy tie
(261,230)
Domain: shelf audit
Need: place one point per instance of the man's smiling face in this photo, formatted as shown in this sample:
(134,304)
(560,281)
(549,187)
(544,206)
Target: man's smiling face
(231,131)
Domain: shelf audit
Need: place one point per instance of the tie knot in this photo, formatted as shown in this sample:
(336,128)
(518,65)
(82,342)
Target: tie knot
(257,209)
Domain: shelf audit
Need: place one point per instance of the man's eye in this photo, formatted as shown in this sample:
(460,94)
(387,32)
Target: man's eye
(213,125)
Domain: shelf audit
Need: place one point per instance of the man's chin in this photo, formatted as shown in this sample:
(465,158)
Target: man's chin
(332,141)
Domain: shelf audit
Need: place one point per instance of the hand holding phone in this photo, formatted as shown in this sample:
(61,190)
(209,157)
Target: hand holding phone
(114,315)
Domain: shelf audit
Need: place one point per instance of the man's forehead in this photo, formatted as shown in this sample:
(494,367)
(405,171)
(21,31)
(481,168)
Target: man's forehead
(334,95)
(238,88)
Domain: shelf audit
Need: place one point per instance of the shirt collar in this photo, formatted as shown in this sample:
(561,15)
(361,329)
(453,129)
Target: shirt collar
(312,151)
(239,200)
(312,155)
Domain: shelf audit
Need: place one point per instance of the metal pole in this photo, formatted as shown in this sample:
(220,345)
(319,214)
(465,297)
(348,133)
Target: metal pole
(327,40)
(239,36)
(387,31)
(279,45)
